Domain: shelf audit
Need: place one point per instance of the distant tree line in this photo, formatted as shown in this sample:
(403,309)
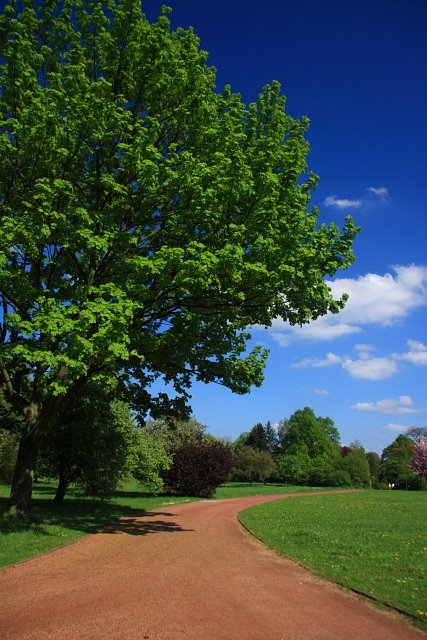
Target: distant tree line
(305,449)
(100,442)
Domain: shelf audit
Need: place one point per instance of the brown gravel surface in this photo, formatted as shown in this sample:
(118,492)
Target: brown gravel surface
(185,571)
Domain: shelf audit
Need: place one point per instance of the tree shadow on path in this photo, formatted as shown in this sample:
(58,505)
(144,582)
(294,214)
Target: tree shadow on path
(142,527)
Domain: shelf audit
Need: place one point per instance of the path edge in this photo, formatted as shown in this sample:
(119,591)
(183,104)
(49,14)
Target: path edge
(359,592)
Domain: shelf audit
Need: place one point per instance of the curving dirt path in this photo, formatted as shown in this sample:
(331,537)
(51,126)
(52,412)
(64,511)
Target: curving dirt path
(184,571)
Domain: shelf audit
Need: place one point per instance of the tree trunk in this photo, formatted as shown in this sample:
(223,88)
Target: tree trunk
(65,479)
(23,477)
(39,421)
(61,490)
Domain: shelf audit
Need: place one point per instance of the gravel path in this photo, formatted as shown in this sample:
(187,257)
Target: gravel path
(184,571)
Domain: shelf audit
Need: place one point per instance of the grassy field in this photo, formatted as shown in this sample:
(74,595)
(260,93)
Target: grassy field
(241,489)
(373,541)
(52,526)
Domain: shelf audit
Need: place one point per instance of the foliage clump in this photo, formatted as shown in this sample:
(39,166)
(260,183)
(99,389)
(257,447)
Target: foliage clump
(90,445)
(419,460)
(253,464)
(309,449)
(8,451)
(199,468)
(396,465)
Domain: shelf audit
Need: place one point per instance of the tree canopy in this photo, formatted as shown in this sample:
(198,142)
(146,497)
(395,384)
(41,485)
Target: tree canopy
(257,438)
(419,460)
(174,433)
(309,448)
(199,468)
(395,467)
(147,218)
(253,464)
(356,464)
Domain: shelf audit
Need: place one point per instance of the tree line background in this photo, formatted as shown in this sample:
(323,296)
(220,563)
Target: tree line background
(99,443)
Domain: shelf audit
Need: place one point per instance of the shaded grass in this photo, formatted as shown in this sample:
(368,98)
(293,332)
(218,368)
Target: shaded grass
(373,541)
(52,525)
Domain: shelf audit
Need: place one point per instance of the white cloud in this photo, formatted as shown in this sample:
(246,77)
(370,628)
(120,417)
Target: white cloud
(342,203)
(414,345)
(366,367)
(325,328)
(321,392)
(330,359)
(380,192)
(399,406)
(417,353)
(371,368)
(364,350)
(383,300)
(283,339)
(398,428)
(373,300)
(373,196)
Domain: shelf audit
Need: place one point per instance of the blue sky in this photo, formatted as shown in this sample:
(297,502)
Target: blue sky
(357,69)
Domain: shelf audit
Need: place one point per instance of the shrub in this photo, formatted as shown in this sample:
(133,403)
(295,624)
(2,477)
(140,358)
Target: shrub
(294,466)
(90,444)
(338,478)
(199,468)
(148,460)
(357,465)
(252,464)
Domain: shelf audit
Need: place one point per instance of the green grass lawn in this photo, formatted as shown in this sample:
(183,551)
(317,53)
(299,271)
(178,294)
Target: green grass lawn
(241,489)
(373,541)
(52,526)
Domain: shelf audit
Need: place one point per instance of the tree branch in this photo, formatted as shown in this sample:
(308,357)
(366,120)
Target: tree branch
(15,398)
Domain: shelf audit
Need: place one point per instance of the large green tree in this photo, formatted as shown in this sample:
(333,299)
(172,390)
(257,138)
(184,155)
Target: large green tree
(148,461)
(374,461)
(356,464)
(272,437)
(308,437)
(294,466)
(396,464)
(257,438)
(146,218)
(10,427)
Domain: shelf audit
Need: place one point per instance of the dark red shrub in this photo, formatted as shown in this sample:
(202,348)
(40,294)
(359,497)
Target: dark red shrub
(198,469)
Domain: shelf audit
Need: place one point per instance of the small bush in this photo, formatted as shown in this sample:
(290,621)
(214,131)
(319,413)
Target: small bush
(252,464)
(338,479)
(148,460)
(199,468)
